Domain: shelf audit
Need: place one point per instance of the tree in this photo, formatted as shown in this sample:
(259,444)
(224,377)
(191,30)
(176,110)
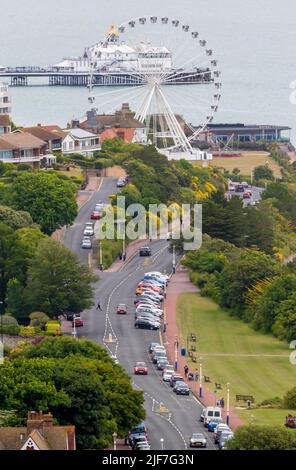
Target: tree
(98,397)
(49,199)
(15,219)
(290,399)
(284,199)
(57,282)
(13,263)
(14,298)
(270,305)
(263,172)
(262,438)
(284,326)
(240,274)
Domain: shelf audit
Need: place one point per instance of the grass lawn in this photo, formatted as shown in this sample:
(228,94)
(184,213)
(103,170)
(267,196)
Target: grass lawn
(224,343)
(247,162)
(271,417)
(74,172)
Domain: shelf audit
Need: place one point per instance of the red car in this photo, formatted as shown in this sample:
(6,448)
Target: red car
(78,322)
(121,309)
(141,368)
(247,195)
(95,215)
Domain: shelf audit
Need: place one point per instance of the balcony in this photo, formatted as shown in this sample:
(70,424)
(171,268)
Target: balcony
(22,159)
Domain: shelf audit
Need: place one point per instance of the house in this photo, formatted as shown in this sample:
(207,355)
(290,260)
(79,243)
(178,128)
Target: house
(122,124)
(5,124)
(5,102)
(22,147)
(245,133)
(80,141)
(40,433)
(53,138)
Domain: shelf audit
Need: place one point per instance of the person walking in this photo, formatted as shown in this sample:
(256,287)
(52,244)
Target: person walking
(222,402)
(186,369)
(165,327)
(99,306)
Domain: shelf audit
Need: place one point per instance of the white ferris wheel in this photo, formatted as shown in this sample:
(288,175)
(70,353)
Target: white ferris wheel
(169,76)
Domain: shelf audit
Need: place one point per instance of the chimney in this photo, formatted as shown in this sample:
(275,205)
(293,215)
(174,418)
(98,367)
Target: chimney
(38,421)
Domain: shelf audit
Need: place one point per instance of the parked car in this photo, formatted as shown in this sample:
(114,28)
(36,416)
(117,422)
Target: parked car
(212,412)
(89,229)
(176,378)
(198,440)
(86,243)
(218,431)
(95,215)
(140,368)
(240,188)
(181,388)
(213,423)
(162,363)
(121,182)
(152,346)
(121,309)
(247,195)
(167,374)
(145,251)
(77,321)
(143,446)
(224,438)
(146,325)
(202,415)
(158,355)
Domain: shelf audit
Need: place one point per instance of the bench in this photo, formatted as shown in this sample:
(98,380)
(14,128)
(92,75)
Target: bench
(218,386)
(207,378)
(245,398)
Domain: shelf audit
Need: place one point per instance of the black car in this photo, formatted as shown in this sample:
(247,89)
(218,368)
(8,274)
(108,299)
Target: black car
(146,325)
(145,251)
(176,378)
(181,389)
(158,355)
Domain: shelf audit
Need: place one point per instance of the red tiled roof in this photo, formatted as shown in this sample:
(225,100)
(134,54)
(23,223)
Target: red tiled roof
(22,140)
(41,133)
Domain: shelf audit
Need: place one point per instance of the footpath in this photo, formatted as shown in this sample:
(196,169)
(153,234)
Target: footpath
(180,284)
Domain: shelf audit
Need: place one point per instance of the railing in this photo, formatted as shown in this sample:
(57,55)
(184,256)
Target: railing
(21,159)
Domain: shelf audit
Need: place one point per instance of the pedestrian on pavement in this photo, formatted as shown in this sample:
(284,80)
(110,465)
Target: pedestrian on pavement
(165,327)
(99,306)
(124,256)
(186,369)
(120,256)
(222,402)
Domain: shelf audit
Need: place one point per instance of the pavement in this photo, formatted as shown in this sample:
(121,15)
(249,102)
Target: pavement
(169,417)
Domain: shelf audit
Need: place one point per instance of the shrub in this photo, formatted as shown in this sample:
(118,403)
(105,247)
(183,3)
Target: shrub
(38,319)
(27,331)
(290,399)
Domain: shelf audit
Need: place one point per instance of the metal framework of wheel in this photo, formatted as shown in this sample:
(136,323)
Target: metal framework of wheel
(173,78)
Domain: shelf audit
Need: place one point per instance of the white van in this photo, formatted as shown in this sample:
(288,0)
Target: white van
(212,412)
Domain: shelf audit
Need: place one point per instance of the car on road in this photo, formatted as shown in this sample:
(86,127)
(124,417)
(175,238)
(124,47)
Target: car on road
(95,215)
(202,415)
(146,300)
(148,318)
(158,313)
(77,321)
(221,427)
(143,446)
(86,243)
(247,195)
(145,325)
(240,188)
(213,423)
(181,388)
(212,412)
(145,251)
(152,346)
(176,378)
(167,374)
(198,440)
(158,355)
(151,286)
(156,349)
(137,439)
(100,206)
(89,229)
(224,438)
(152,295)
(121,309)
(121,182)
(162,363)
(141,368)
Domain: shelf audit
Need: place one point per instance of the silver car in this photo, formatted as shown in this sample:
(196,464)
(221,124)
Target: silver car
(198,440)
(86,243)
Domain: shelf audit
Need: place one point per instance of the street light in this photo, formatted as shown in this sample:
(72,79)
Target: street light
(114,435)
(74,332)
(162,443)
(227,404)
(101,256)
(174,259)
(200,378)
(176,344)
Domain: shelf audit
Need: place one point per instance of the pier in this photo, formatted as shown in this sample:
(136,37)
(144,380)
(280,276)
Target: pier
(25,76)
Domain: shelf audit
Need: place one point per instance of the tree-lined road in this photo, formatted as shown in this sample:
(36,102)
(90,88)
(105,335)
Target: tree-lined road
(181,420)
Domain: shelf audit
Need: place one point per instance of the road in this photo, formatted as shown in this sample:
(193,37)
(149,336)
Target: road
(181,419)
(256,195)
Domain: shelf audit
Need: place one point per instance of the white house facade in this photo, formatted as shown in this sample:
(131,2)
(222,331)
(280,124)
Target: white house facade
(80,141)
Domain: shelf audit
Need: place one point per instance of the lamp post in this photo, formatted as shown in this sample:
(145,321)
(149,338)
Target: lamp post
(114,435)
(162,443)
(176,344)
(101,256)
(174,259)
(227,404)
(200,378)
(74,332)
